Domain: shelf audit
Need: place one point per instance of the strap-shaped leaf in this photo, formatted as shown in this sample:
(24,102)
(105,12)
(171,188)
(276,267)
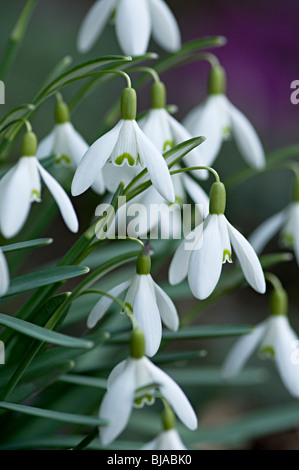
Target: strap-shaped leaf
(44,278)
(28,244)
(43,334)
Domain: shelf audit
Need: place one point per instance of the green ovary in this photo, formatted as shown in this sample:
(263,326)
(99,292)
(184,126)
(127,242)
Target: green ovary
(125,156)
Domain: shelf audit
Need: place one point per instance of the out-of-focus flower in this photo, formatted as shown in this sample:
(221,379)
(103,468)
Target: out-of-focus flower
(135,21)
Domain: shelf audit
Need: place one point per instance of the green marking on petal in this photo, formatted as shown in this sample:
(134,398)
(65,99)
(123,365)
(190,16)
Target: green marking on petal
(168,144)
(125,156)
(226,132)
(63,158)
(150,400)
(227,256)
(288,240)
(35,195)
(268,352)
(138,402)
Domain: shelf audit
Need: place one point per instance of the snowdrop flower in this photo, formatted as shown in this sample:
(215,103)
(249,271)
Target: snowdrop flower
(123,147)
(275,339)
(135,20)
(22,185)
(165,131)
(218,119)
(287,221)
(67,144)
(211,247)
(169,438)
(149,303)
(4,274)
(131,376)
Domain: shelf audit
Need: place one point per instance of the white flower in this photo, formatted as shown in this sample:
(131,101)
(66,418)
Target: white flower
(287,221)
(68,145)
(4,274)
(275,339)
(211,247)
(124,146)
(166,132)
(150,304)
(217,119)
(135,20)
(166,440)
(129,376)
(20,187)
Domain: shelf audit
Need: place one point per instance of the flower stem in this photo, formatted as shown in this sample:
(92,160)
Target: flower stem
(270,277)
(149,70)
(192,168)
(16,38)
(87,439)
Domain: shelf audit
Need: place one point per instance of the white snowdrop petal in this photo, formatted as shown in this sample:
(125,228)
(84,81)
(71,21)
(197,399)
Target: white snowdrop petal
(156,165)
(147,315)
(246,138)
(170,440)
(62,200)
(207,120)
(116,371)
(205,263)
(98,186)
(133,288)
(45,147)
(178,268)
(94,159)
(286,354)
(133,26)
(156,127)
(152,445)
(166,308)
(77,145)
(94,23)
(113,175)
(164,25)
(264,232)
(226,247)
(125,152)
(249,261)
(193,158)
(103,305)
(15,198)
(4,274)
(117,404)
(241,351)
(175,396)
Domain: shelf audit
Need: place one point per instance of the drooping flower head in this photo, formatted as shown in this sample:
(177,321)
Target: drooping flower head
(21,186)
(165,131)
(149,303)
(135,21)
(169,438)
(67,144)
(273,339)
(218,119)
(211,247)
(286,221)
(124,147)
(132,383)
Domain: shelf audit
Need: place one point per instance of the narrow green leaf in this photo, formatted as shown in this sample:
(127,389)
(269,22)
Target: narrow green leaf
(28,244)
(77,72)
(84,380)
(55,415)
(43,334)
(44,278)
(211,376)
